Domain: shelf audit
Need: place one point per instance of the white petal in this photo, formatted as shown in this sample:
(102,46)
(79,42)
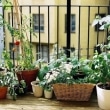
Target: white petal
(96,21)
(102,27)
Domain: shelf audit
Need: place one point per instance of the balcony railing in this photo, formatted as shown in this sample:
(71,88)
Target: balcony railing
(50,25)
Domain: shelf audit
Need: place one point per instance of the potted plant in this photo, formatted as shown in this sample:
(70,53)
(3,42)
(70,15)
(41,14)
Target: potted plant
(68,87)
(59,74)
(46,84)
(6,83)
(25,67)
(15,87)
(64,72)
(37,89)
(101,65)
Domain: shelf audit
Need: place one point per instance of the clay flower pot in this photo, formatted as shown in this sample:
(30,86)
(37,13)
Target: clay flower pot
(3,92)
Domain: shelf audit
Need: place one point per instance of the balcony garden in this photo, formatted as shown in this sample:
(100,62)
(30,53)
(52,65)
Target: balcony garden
(61,73)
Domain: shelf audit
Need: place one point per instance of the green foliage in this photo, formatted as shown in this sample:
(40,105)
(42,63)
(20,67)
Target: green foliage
(101,62)
(25,56)
(6,4)
(101,66)
(43,72)
(64,69)
(7,61)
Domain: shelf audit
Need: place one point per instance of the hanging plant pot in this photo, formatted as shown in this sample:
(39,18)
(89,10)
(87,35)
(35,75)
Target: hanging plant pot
(3,92)
(28,76)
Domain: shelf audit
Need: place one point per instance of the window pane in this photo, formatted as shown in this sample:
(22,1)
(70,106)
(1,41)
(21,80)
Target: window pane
(72,23)
(36,22)
(43,52)
(42,28)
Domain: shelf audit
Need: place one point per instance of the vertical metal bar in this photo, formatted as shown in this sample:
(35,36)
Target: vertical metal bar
(30,24)
(21,16)
(48,34)
(79,33)
(68,43)
(39,35)
(88,32)
(12,35)
(4,27)
(30,30)
(98,28)
(109,8)
(57,30)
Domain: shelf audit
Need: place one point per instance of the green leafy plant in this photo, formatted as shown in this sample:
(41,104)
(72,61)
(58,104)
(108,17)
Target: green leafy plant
(65,70)
(7,79)
(21,42)
(101,62)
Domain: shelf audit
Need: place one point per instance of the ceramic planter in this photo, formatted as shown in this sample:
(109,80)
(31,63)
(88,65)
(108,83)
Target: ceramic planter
(48,93)
(37,90)
(28,76)
(103,97)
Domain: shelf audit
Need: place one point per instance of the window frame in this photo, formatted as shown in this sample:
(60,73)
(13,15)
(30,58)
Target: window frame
(42,52)
(36,22)
(71,21)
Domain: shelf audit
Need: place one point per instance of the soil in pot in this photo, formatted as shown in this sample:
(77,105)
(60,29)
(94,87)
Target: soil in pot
(104,86)
(79,75)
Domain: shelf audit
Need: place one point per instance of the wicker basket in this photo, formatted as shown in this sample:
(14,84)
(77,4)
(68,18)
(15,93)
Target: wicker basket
(74,92)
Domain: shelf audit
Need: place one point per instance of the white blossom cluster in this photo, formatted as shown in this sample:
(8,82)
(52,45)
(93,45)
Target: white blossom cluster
(66,67)
(50,76)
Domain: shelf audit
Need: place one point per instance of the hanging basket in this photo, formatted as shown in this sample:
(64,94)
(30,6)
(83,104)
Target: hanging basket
(73,92)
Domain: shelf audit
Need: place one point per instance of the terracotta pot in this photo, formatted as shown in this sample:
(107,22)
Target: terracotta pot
(37,90)
(3,92)
(28,76)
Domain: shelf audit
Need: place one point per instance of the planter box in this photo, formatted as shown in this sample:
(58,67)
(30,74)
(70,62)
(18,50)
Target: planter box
(73,92)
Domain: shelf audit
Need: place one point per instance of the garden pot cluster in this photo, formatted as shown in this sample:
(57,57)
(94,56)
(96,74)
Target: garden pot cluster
(39,91)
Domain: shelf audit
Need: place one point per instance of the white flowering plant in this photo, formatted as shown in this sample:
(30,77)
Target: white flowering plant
(101,62)
(64,70)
